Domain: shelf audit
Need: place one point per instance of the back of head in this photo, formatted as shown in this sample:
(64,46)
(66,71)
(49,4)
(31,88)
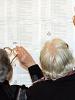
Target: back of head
(5,66)
(56,59)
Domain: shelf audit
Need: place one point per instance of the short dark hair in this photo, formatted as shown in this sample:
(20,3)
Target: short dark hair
(5,65)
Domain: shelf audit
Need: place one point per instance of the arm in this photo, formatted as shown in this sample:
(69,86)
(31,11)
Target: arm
(74,20)
(26,59)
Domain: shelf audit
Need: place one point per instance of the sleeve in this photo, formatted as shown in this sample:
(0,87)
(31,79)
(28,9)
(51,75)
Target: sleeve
(35,73)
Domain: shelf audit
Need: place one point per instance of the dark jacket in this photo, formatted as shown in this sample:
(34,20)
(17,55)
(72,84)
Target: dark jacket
(13,92)
(61,89)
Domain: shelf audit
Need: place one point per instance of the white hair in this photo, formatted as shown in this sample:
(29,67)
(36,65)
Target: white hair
(56,59)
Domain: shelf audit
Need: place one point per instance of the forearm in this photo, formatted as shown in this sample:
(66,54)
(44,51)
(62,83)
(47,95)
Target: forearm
(35,72)
(26,59)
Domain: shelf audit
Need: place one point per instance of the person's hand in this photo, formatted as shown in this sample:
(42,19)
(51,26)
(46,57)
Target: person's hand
(24,57)
(74,19)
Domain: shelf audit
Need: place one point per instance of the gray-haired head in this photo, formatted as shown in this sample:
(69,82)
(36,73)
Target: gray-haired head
(56,59)
(5,66)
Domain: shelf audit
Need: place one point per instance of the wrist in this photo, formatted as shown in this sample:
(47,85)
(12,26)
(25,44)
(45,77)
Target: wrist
(28,65)
(31,64)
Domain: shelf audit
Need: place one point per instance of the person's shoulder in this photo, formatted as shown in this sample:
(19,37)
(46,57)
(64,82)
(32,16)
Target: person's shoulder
(40,90)
(41,84)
